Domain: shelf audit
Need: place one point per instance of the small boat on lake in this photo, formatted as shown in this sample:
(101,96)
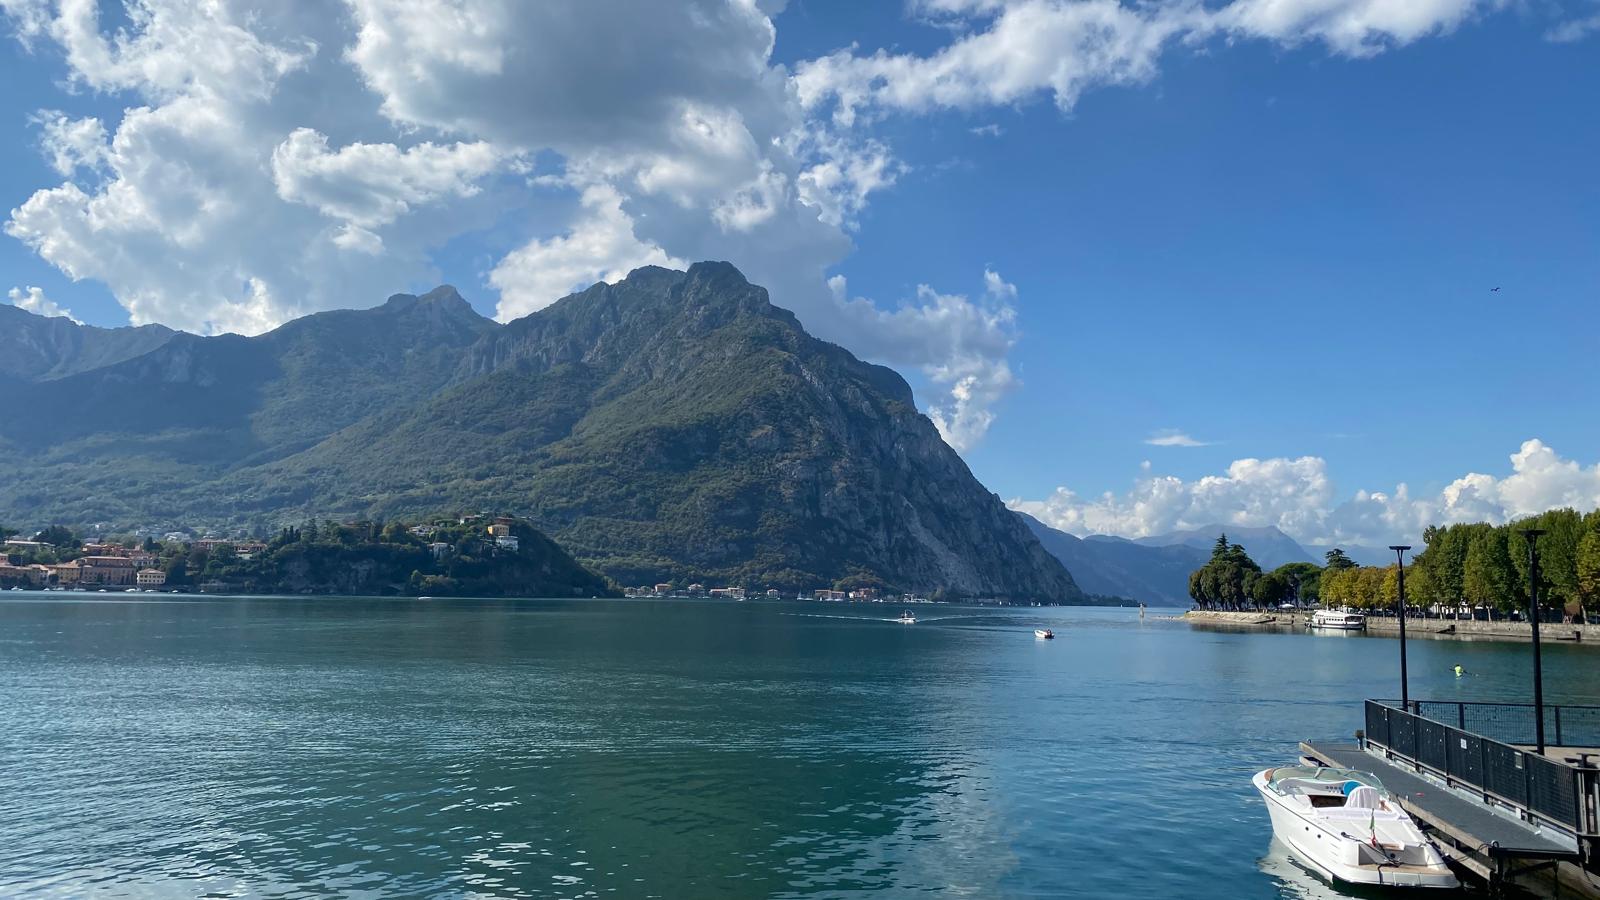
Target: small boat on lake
(906,618)
(1044,634)
(1338,619)
(1343,824)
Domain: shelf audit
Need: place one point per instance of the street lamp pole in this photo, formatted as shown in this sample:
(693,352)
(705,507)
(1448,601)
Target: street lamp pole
(1531,535)
(1400,559)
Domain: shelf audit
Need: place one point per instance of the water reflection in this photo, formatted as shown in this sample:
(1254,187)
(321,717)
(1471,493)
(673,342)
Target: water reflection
(1299,882)
(361,747)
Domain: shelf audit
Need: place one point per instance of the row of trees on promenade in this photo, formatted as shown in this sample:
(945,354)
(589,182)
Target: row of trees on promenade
(1463,565)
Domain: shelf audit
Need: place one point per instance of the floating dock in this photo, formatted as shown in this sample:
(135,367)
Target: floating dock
(1489,844)
(1503,813)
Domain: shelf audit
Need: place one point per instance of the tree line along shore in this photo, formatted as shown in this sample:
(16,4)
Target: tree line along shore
(1464,568)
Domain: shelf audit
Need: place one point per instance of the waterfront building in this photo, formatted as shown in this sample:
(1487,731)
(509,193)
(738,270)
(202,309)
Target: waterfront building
(150,578)
(68,573)
(14,575)
(106,571)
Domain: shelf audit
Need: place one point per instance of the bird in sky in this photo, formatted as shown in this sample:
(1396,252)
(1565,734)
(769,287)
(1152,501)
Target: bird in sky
(1494,290)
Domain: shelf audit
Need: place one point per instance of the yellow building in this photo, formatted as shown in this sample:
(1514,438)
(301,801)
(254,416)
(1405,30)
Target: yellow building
(106,571)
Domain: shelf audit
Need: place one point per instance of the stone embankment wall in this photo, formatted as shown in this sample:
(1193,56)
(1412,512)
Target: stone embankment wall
(1465,630)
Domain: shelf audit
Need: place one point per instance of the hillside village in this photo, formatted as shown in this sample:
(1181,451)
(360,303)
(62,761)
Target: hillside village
(177,562)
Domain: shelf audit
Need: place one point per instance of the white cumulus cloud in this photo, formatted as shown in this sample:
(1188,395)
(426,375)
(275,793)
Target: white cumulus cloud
(274,159)
(1298,496)
(33,300)
(601,246)
(1008,51)
(369,185)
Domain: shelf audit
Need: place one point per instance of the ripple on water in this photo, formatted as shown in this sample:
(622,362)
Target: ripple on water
(373,748)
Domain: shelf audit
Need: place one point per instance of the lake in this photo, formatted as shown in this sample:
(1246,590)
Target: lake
(362,747)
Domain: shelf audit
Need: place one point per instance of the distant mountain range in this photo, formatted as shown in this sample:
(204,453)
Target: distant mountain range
(1268,546)
(1155,570)
(1158,576)
(673,426)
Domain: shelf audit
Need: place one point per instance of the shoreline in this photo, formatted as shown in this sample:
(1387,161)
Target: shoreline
(1433,629)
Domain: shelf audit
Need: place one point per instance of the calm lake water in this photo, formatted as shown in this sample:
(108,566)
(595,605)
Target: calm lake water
(377,748)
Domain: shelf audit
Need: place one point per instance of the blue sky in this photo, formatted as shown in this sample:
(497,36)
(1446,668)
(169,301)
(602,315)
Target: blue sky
(1267,238)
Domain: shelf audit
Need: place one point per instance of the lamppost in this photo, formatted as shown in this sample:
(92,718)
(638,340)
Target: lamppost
(1531,535)
(1400,559)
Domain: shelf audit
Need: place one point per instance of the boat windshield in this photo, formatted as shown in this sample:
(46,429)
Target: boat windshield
(1324,775)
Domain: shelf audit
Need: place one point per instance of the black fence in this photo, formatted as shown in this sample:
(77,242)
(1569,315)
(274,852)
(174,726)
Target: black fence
(1513,723)
(1549,790)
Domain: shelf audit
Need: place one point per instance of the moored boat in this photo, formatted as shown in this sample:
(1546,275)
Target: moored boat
(1339,619)
(1343,824)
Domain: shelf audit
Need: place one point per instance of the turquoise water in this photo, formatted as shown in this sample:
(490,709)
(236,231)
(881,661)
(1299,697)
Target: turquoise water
(376,748)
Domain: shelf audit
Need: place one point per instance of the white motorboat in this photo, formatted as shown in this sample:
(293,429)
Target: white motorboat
(906,618)
(1339,619)
(1044,634)
(1343,824)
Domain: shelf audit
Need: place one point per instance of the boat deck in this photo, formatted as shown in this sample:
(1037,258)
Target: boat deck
(1484,840)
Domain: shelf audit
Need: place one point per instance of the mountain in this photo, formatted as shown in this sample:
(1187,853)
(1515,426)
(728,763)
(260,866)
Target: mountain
(673,426)
(40,348)
(1116,567)
(126,442)
(1268,546)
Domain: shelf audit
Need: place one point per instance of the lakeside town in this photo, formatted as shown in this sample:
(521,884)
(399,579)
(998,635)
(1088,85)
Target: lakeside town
(56,559)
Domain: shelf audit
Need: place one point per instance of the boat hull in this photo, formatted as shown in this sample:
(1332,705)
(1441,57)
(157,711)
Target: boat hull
(1338,622)
(1334,856)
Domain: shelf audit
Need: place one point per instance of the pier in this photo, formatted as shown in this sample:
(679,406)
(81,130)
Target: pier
(1504,814)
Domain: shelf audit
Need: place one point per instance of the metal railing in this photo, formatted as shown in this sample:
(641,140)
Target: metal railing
(1547,790)
(1513,723)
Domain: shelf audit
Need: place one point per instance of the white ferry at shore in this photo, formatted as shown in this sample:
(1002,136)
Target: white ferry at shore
(1338,619)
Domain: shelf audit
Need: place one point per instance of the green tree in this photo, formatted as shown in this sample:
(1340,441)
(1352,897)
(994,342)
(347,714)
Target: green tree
(1588,570)
(1303,579)
(59,536)
(1488,577)
(1337,559)
(1445,559)
(1558,555)
(1227,578)
(1269,589)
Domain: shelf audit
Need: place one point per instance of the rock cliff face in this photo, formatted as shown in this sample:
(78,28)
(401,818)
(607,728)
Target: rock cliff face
(40,348)
(673,426)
